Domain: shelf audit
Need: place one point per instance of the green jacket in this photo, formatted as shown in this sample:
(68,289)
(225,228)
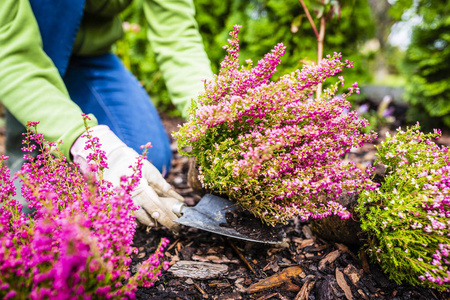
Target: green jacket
(32,89)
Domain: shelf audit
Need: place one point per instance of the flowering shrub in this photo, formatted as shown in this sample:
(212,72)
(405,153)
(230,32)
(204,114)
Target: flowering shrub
(408,217)
(269,145)
(78,241)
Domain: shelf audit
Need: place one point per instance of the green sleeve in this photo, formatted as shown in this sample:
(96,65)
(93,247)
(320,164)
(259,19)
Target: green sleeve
(176,41)
(30,85)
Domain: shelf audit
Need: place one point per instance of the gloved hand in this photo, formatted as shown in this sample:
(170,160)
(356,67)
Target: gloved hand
(154,196)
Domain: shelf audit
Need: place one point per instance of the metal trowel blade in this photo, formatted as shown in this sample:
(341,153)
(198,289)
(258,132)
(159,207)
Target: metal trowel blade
(209,213)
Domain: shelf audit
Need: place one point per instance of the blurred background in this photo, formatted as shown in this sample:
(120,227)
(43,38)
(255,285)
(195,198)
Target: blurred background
(399,49)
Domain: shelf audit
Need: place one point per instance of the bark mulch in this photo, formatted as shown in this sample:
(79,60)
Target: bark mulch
(305,266)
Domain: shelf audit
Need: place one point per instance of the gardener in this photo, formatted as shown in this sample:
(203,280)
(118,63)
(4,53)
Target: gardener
(55,64)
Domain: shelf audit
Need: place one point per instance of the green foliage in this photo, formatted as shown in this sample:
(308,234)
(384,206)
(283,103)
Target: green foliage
(398,8)
(268,22)
(406,217)
(135,52)
(426,63)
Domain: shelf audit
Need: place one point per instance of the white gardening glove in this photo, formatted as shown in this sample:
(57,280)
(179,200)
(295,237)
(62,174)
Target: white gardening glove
(154,196)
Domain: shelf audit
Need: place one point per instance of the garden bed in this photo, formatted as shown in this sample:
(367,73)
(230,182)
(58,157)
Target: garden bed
(208,266)
(305,267)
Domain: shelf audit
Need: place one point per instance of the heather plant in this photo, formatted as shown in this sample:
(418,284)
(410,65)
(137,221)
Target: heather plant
(270,145)
(407,218)
(77,243)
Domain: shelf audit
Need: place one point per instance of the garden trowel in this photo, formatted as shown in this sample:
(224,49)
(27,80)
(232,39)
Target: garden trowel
(209,214)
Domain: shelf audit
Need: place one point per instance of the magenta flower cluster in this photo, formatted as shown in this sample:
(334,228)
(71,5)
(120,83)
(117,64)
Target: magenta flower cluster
(408,217)
(77,243)
(270,145)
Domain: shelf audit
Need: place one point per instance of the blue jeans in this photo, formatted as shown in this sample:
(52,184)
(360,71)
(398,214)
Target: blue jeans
(101,85)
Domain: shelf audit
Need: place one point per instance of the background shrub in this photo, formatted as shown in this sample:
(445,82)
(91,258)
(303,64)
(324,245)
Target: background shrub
(426,65)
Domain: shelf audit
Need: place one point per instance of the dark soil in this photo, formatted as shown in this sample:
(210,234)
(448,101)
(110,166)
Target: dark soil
(325,269)
(247,224)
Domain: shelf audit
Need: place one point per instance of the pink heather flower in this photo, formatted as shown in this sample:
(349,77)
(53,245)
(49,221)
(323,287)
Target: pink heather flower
(79,239)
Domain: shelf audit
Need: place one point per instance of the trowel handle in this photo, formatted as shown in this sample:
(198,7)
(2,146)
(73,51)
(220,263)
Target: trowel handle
(177,208)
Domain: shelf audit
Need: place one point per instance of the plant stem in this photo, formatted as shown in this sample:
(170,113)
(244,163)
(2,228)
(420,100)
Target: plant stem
(311,21)
(320,40)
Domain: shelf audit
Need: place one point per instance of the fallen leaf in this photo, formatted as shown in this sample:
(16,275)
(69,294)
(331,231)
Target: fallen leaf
(330,258)
(343,284)
(275,280)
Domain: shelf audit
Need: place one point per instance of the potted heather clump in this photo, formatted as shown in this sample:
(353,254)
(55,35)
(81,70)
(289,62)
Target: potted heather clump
(272,147)
(77,244)
(407,218)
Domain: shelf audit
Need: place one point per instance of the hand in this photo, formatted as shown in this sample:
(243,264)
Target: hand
(154,196)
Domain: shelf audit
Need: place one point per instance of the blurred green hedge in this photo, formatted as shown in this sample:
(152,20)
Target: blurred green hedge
(265,23)
(427,65)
